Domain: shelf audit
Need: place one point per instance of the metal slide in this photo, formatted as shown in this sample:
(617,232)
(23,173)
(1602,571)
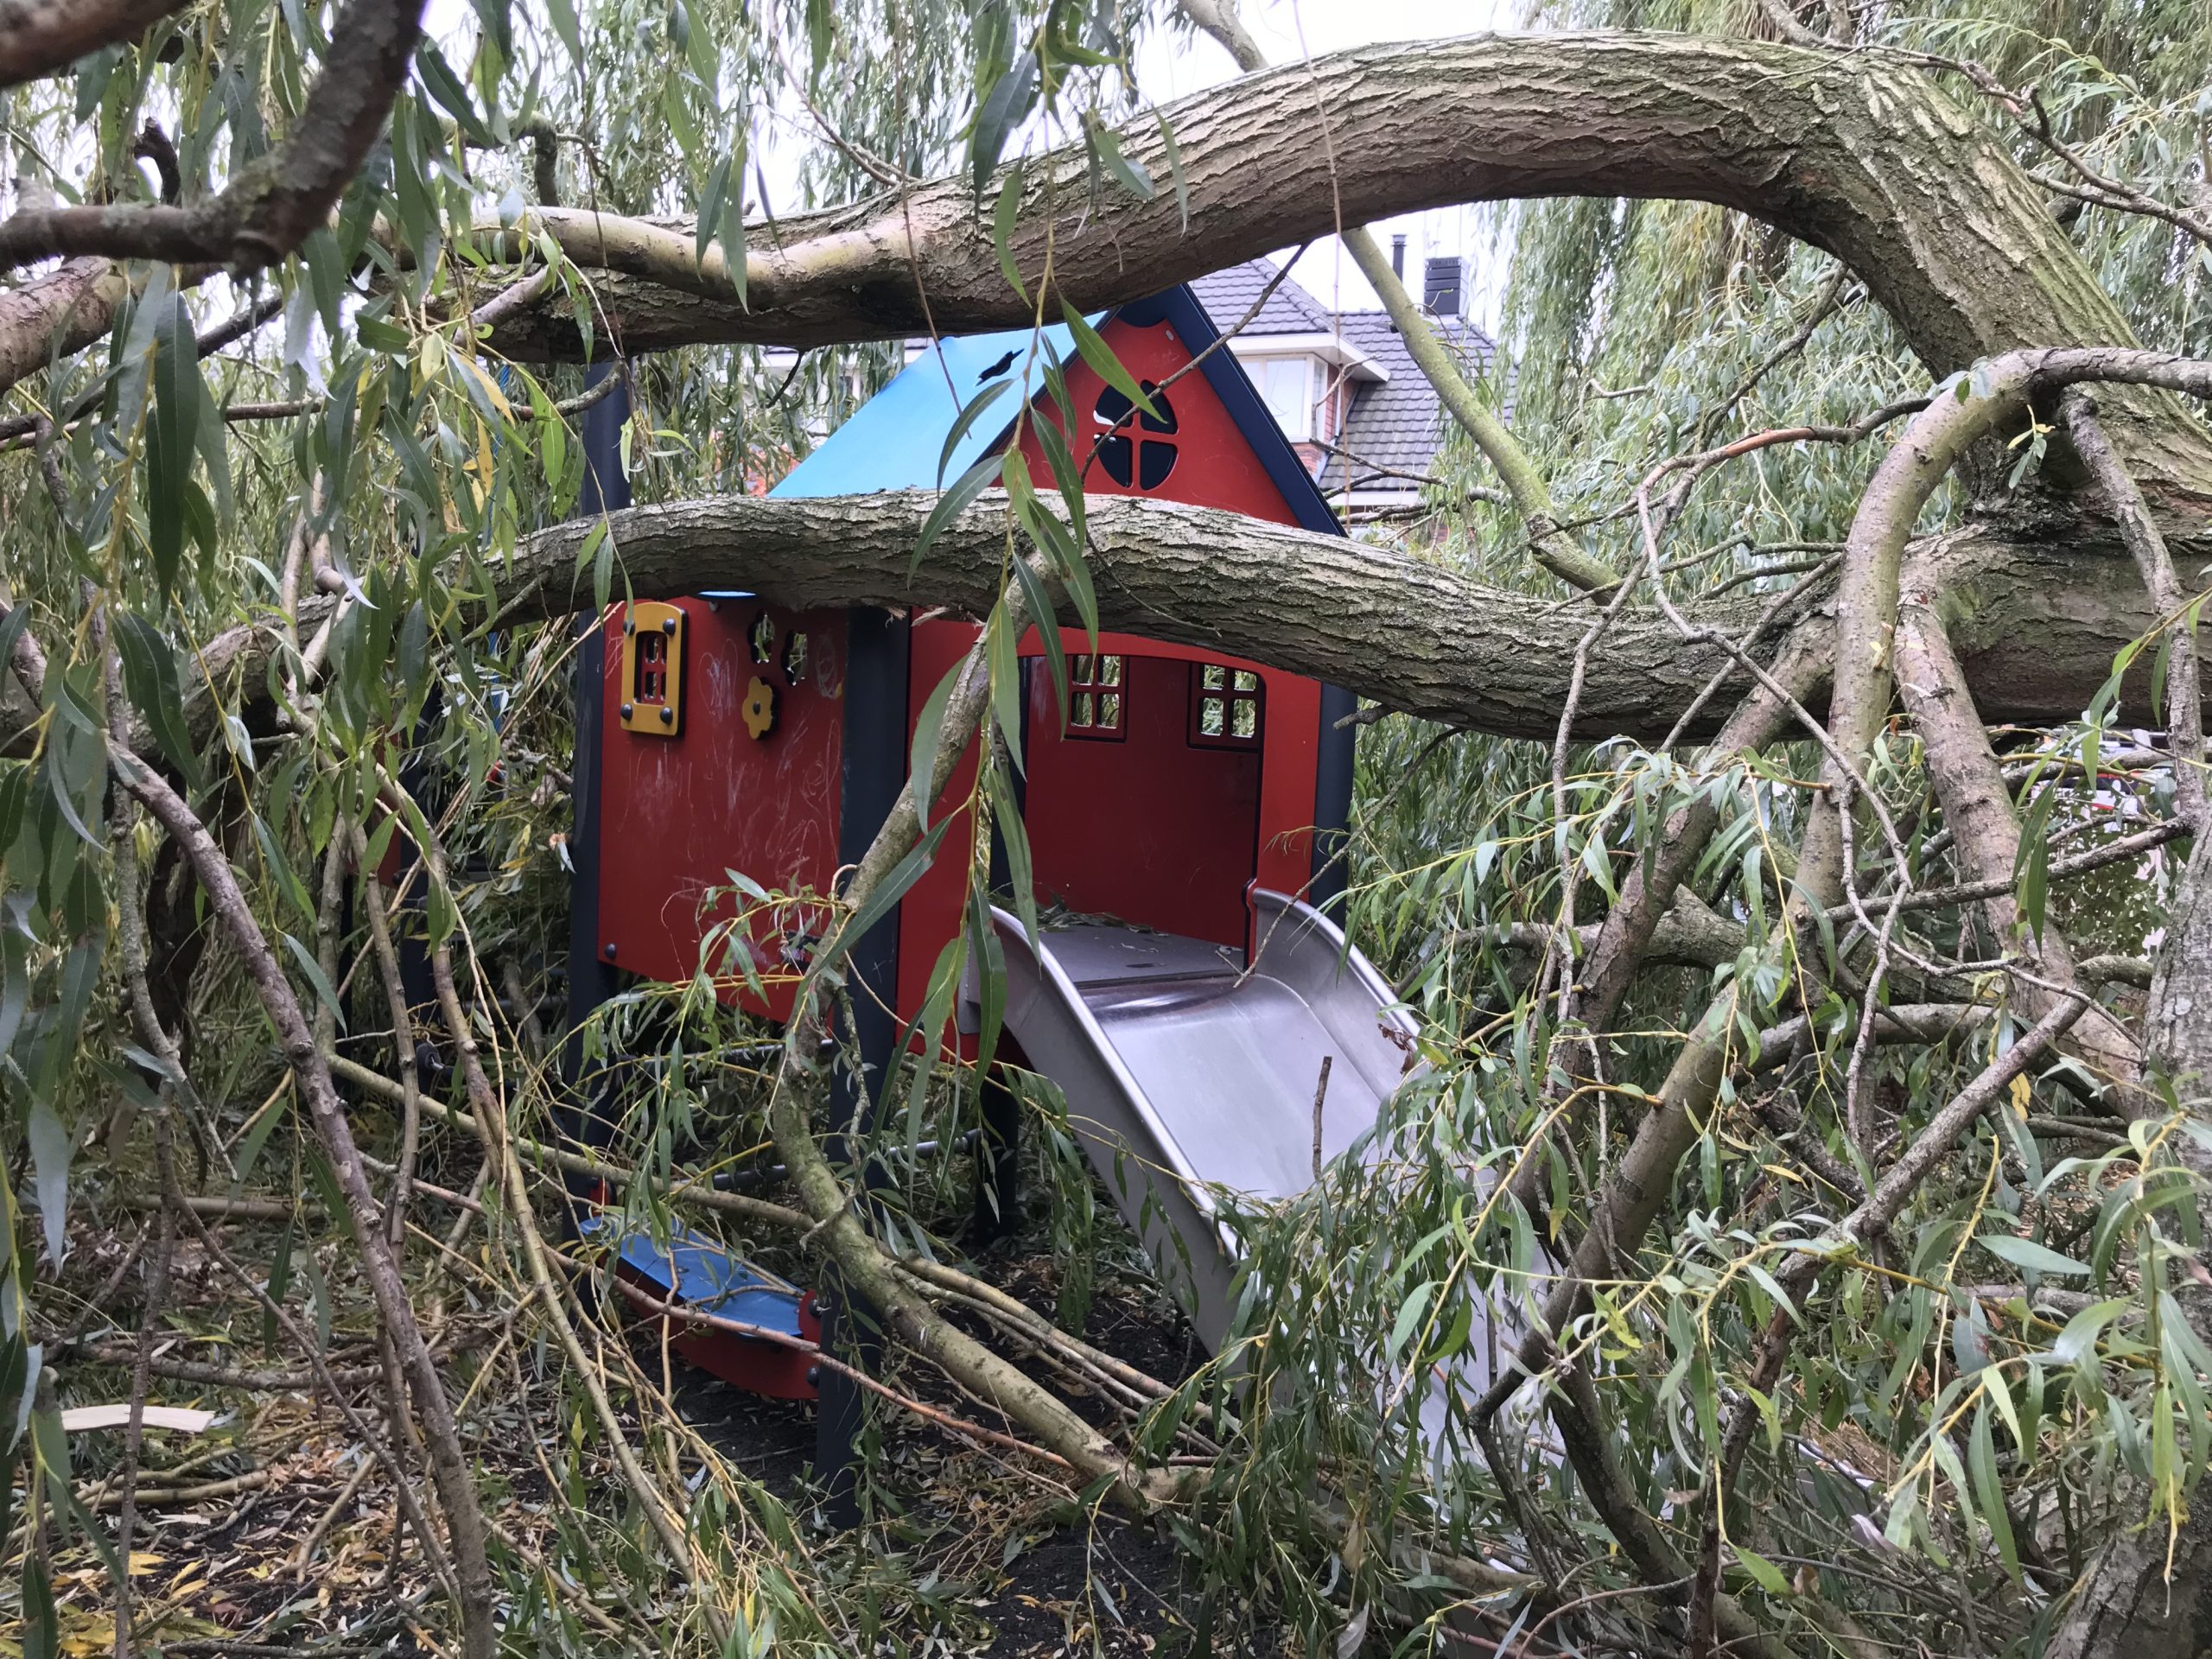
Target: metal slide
(1182,1070)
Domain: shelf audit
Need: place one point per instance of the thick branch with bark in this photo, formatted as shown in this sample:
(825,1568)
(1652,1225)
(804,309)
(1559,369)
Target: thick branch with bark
(1857,154)
(38,37)
(1403,631)
(269,210)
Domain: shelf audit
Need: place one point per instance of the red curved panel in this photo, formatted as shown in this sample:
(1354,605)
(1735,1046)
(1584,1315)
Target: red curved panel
(677,814)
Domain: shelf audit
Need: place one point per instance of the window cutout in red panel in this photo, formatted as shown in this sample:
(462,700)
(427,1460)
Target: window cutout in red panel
(760,638)
(1226,707)
(1147,462)
(652,669)
(1097,707)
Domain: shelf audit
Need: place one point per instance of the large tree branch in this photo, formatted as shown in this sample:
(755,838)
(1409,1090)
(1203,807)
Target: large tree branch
(271,206)
(40,36)
(1859,154)
(448,1460)
(1523,481)
(1406,633)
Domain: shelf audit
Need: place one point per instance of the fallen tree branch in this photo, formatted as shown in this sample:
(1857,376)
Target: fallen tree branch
(162,1498)
(448,1462)
(38,37)
(269,209)
(498,1150)
(837,1232)
(1799,137)
(694,1193)
(1397,630)
(229,1376)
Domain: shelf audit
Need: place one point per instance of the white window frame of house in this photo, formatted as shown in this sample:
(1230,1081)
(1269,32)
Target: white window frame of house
(1297,426)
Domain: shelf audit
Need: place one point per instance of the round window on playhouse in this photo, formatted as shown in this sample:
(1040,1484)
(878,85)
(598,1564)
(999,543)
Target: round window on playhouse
(1136,453)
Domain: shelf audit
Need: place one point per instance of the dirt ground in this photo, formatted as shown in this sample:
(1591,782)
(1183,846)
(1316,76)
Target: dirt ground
(1020,1572)
(267,1536)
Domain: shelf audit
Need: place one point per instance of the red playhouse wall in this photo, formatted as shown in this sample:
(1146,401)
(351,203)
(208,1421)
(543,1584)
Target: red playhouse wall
(1151,828)
(676,816)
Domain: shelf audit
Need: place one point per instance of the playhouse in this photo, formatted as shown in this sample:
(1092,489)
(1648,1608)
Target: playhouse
(1185,814)
(736,735)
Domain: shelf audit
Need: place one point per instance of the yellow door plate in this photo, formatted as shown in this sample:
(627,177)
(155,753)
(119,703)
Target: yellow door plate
(652,669)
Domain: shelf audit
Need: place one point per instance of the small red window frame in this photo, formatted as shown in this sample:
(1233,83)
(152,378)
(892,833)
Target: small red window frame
(1230,696)
(1083,682)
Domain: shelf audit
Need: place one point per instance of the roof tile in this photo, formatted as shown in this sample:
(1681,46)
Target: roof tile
(1395,426)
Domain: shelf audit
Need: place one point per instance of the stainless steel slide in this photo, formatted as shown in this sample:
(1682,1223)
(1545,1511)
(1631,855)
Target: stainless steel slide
(1184,1070)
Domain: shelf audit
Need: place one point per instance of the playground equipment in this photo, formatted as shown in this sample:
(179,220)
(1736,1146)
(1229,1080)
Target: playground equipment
(1189,805)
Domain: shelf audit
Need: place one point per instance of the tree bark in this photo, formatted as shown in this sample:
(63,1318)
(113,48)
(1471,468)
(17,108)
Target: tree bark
(2039,613)
(2126,1609)
(1858,154)
(58,316)
(37,37)
(271,205)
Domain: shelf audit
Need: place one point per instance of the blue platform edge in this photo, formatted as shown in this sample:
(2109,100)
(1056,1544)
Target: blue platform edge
(895,439)
(696,1270)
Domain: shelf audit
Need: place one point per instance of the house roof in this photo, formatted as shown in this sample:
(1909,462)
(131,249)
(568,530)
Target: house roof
(1397,423)
(897,440)
(1228,295)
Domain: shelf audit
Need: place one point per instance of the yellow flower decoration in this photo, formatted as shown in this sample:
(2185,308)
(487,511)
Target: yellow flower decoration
(759,708)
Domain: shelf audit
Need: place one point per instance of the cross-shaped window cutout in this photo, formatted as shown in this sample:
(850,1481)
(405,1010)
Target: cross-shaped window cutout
(1097,698)
(1225,707)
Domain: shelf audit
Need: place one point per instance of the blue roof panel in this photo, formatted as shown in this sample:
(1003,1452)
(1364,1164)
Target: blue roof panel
(894,441)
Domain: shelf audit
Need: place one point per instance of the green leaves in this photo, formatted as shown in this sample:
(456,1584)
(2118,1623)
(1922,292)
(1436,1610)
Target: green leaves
(888,892)
(150,679)
(976,406)
(1009,99)
(955,501)
(1764,1572)
(51,1144)
(179,398)
(1106,154)
(2027,1253)
(1003,218)
(929,734)
(1989,1487)
(1174,152)
(563,14)
(1097,353)
(445,88)
(722,215)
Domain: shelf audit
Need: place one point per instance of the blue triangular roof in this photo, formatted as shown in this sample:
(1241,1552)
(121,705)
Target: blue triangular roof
(895,441)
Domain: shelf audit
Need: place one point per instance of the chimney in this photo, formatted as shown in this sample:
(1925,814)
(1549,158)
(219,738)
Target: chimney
(1398,257)
(1444,289)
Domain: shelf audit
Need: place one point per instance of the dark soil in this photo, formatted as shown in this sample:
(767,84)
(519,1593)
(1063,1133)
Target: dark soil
(995,1557)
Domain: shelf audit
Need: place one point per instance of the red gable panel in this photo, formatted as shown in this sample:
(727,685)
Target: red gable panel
(1212,464)
(1154,829)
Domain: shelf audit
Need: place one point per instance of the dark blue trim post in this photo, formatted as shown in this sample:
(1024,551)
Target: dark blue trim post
(591,976)
(876,667)
(1332,782)
(997,1211)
